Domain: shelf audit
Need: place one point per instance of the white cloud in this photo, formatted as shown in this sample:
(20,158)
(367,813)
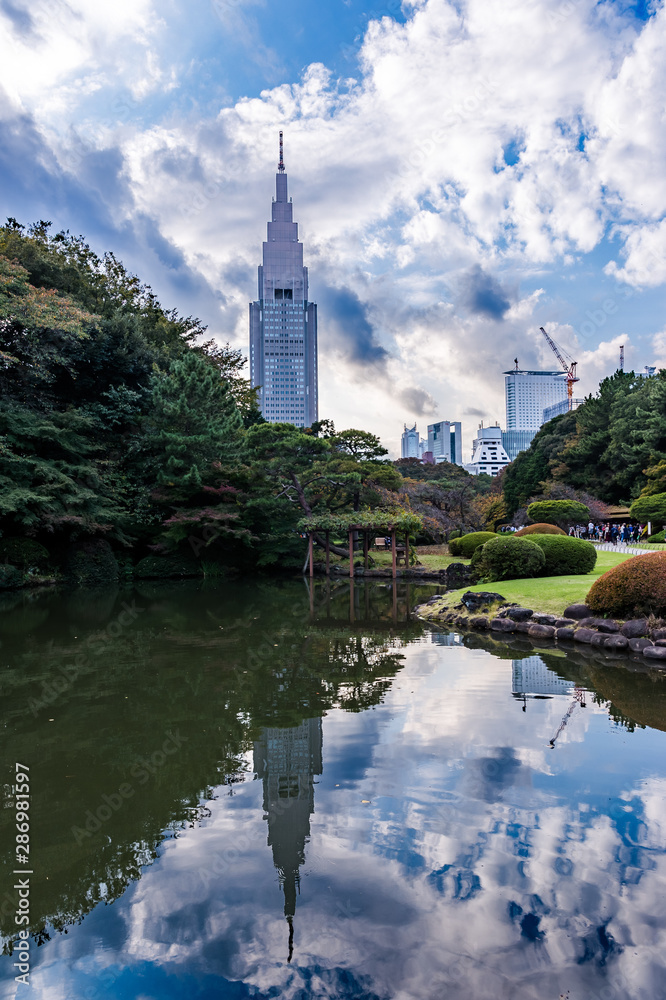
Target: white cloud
(505,137)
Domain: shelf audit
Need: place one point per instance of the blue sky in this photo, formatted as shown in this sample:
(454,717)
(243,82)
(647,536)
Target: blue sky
(463,172)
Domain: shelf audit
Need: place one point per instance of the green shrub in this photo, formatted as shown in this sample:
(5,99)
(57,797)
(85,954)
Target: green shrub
(479,564)
(561,512)
(651,508)
(466,545)
(540,529)
(167,567)
(511,558)
(91,563)
(455,534)
(23,552)
(635,587)
(9,577)
(659,537)
(566,556)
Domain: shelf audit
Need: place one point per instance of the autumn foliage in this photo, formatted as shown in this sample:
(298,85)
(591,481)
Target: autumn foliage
(540,529)
(635,587)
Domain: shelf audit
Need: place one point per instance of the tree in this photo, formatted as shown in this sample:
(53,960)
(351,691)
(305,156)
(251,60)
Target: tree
(193,423)
(524,477)
(360,444)
(54,476)
(656,479)
(230,363)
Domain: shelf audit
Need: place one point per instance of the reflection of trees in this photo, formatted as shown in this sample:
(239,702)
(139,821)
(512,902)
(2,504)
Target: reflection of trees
(214,666)
(361,669)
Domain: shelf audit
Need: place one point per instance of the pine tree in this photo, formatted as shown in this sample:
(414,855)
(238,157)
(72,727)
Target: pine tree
(193,423)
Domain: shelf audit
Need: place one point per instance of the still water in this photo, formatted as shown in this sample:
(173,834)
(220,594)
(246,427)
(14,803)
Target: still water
(258,790)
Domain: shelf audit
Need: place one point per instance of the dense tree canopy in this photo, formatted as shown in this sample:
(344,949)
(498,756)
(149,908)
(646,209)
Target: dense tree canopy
(121,421)
(612,447)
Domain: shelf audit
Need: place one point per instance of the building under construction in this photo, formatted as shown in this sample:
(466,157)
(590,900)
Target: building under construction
(535,397)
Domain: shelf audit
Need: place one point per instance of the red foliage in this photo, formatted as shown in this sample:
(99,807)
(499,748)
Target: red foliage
(540,529)
(635,587)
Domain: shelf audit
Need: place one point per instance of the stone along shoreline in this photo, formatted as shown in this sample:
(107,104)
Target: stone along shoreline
(489,611)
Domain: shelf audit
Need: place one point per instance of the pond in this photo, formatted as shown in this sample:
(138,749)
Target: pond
(264,790)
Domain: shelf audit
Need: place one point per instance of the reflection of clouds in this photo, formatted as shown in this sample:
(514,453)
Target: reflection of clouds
(491,776)
(457,857)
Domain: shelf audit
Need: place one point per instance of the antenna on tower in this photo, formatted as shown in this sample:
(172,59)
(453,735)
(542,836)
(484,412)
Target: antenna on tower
(281,163)
(515,361)
(621,357)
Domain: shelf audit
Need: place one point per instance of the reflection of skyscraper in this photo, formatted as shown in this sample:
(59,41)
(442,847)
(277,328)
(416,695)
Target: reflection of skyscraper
(531,676)
(287,760)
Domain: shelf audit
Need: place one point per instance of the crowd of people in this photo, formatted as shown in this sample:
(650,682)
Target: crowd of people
(614,533)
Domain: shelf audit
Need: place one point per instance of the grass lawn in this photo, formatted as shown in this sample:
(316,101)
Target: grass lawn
(428,560)
(431,557)
(551,594)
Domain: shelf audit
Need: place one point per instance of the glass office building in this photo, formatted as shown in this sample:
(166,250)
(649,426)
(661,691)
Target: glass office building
(283,323)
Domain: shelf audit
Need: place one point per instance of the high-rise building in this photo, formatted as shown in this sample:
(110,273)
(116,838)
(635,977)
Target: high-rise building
(283,323)
(445,441)
(488,453)
(410,444)
(557,409)
(528,394)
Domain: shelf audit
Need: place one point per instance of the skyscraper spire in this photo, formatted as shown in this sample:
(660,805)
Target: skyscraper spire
(283,322)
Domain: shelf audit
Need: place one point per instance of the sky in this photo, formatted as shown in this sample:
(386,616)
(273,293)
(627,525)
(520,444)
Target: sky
(462,173)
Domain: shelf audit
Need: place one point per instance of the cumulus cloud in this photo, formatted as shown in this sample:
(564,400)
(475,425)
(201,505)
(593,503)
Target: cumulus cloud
(482,294)
(348,322)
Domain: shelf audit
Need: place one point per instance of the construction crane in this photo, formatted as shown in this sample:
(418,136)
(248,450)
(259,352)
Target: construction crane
(578,699)
(568,365)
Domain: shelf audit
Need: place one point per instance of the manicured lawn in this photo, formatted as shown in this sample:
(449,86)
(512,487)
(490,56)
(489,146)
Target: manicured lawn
(549,593)
(428,560)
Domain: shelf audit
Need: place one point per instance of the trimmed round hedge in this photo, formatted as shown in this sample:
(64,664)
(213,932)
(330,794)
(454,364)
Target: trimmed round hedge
(566,556)
(511,558)
(636,587)
(466,545)
(540,529)
(659,537)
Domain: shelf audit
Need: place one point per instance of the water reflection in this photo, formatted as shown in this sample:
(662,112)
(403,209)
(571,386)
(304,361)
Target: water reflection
(287,761)
(451,852)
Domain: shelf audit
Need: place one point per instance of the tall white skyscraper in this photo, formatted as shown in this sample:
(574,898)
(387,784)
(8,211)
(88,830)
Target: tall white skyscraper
(283,323)
(528,394)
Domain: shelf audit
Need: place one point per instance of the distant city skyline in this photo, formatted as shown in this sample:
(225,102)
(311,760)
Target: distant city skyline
(454,193)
